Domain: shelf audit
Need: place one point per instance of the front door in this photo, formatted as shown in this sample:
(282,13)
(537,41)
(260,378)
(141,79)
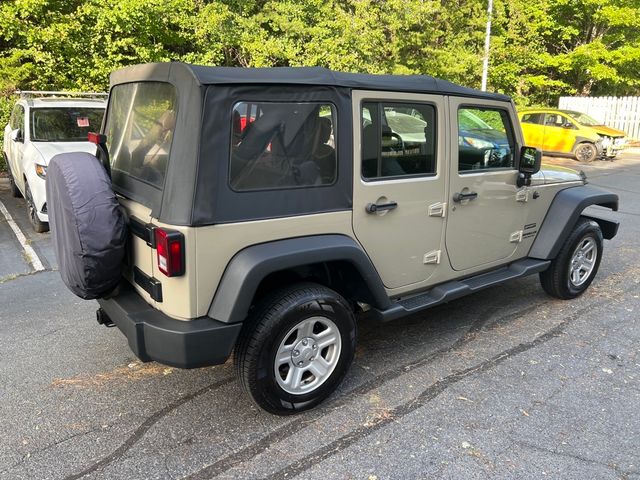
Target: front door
(399,183)
(485,218)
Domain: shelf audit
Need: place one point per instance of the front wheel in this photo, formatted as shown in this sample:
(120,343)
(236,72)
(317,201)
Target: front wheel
(296,348)
(585,152)
(575,267)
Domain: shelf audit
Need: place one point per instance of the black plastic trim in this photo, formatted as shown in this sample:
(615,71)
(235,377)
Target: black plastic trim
(459,288)
(149,284)
(609,227)
(250,266)
(142,230)
(152,335)
(566,208)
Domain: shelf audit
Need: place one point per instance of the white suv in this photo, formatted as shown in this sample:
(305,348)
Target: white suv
(42,125)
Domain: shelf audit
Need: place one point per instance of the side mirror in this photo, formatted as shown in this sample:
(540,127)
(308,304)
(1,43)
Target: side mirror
(530,160)
(568,125)
(16,135)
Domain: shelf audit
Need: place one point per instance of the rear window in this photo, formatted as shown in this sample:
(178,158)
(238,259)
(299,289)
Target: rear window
(64,124)
(140,126)
(282,145)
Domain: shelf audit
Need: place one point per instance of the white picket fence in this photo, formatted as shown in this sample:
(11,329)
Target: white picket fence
(622,113)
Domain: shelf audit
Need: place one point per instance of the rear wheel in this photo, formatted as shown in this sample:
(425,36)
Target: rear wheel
(575,267)
(15,191)
(38,225)
(296,348)
(585,152)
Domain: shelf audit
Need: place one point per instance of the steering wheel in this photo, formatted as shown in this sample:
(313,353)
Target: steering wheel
(400,141)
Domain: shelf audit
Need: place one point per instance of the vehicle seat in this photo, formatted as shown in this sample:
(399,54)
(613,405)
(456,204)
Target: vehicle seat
(369,151)
(325,154)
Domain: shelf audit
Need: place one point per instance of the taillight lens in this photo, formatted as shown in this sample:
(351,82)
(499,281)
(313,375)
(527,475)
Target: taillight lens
(170,252)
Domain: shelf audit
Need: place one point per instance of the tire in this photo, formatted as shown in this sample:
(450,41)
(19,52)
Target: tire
(37,224)
(571,272)
(585,152)
(15,191)
(291,325)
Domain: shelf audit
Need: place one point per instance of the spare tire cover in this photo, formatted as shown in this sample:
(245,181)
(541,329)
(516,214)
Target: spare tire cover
(88,228)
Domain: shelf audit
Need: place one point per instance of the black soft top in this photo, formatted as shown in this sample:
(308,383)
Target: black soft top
(196,190)
(319,76)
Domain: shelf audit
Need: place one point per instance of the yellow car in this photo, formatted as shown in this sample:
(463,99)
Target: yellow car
(565,132)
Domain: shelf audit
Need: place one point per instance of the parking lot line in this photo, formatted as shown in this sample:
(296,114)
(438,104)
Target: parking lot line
(28,249)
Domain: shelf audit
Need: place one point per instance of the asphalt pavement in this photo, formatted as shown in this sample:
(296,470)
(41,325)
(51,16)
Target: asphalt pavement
(506,383)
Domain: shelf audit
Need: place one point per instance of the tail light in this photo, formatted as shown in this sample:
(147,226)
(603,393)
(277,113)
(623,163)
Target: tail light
(170,251)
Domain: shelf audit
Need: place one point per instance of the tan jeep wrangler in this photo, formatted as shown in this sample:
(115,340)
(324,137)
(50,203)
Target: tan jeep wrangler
(266,208)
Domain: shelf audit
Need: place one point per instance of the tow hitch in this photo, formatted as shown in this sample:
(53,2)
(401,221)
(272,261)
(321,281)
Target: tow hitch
(103,318)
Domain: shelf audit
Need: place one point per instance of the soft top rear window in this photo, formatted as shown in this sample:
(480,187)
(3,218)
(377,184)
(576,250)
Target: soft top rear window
(140,125)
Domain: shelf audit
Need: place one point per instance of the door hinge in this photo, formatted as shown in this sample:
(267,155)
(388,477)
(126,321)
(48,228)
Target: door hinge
(432,257)
(522,195)
(438,209)
(516,237)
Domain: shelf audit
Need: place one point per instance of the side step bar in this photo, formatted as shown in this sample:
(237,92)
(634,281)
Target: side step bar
(459,288)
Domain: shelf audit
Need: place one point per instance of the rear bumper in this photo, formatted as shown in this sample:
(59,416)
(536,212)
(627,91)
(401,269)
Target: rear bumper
(152,335)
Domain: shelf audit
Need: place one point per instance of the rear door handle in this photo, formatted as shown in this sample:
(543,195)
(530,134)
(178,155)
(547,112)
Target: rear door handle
(458,197)
(380,207)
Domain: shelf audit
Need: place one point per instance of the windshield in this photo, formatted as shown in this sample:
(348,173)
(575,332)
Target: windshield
(64,124)
(584,119)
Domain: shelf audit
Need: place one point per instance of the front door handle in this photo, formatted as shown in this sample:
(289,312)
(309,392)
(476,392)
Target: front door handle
(380,207)
(458,197)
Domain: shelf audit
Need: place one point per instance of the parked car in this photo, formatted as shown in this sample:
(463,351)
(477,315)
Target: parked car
(44,124)
(566,132)
(341,193)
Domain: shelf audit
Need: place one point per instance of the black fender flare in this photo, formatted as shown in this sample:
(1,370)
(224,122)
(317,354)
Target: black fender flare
(251,265)
(564,212)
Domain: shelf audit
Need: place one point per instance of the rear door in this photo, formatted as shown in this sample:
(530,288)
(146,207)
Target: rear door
(533,129)
(399,183)
(485,222)
(140,123)
(559,133)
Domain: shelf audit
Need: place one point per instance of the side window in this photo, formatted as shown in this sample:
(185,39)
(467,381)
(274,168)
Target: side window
(485,139)
(558,120)
(282,145)
(532,118)
(398,139)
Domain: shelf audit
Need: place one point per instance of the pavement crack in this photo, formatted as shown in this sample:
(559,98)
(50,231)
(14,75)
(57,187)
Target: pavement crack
(427,395)
(144,428)
(250,451)
(623,474)
(15,276)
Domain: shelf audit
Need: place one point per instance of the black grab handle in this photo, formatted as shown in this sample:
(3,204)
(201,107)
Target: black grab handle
(458,197)
(380,207)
